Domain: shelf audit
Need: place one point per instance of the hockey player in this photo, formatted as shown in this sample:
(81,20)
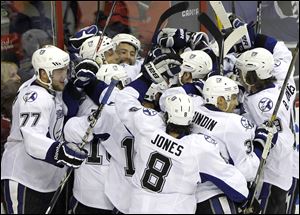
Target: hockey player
(31,167)
(106,54)
(257,67)
(196,65)
(128,48)
(90,197)
(88,189)
(167,155)
(211,118)
(119,143)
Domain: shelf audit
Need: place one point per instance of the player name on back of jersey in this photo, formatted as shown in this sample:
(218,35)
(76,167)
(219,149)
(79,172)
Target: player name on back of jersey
(168,145)
(204,121)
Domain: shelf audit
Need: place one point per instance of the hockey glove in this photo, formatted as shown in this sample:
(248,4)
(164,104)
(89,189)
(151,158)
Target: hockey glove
(66,153)
(162,68)
(85,72)
(173,38)
(261,136)
(199,41)
(157,51)
(247,41)
(76,41)
(229,69)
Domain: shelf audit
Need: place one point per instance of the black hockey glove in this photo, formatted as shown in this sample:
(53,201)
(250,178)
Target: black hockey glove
(66,153)
(85,72)
(173,38)
(260,139)
(162,67)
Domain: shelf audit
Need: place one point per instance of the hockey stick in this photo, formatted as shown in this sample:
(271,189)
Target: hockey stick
(220,12)
(93,120)
(253,188)
(104,29)
(258,17)
(215,32)
(234,37)
(169,12)
(233,7)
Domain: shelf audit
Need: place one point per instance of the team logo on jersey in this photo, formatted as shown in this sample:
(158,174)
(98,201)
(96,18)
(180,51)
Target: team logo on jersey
(209,139)
(246,123)
(265,104)
(277,63)
(149,112)
(134,109)
(30,96)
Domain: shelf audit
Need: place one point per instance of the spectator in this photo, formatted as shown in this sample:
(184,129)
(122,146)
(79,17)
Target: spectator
(32,40)
(9,68)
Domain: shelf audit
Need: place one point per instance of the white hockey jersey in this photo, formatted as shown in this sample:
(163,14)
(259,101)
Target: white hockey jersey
(234,134)
(282,57)
(133,70)
(259,108)
(119,144)
(37,123)
(167,170)
(89,179)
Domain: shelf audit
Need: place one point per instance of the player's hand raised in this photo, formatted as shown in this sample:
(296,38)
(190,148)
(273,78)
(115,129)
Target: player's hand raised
(172,38)
(162,67)
(85,72)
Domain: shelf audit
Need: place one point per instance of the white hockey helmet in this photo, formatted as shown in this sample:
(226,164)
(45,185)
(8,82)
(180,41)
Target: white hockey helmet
(49,58)
(128,38)
(216,86)
(197,62)
(107,71)
(259,60)
(154,89)
(180,109)
(88,47)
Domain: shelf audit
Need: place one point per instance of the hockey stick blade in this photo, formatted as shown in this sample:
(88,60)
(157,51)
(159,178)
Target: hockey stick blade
(95,117)
(215,32)
(234,37)
(168,13)
(220,12)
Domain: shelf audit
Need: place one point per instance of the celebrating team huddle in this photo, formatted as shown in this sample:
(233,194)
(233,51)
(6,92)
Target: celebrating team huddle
(177,132)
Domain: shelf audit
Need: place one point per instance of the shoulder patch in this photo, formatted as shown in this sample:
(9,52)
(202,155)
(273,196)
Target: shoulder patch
(209,139)
(265,104)
(30,96)
(134,109)
(149,112)
(246,123)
